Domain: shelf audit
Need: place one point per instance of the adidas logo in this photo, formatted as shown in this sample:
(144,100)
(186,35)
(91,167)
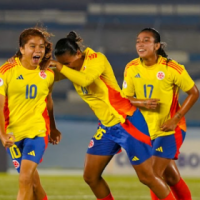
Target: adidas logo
(20,77)
(160,149)
(32,153)
(137,75)
(135,158)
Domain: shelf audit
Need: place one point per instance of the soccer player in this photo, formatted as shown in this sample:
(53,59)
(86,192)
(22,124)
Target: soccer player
(121,124)
(155,80)
(26,108)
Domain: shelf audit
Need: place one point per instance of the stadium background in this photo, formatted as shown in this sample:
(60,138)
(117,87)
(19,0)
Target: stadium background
(111,27)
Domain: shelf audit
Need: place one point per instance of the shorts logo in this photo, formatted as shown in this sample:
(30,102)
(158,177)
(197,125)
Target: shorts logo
(160,75)
(16,164)
(135,158)
(160,149)
(125,84)
(1,81)
(42,74)
(32,153)
(91,144)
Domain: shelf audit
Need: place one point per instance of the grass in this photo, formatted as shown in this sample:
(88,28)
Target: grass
(74,188)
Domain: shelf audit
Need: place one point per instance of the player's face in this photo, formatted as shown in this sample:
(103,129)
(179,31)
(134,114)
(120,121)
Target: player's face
(33,51)
(72,61)
(146,46)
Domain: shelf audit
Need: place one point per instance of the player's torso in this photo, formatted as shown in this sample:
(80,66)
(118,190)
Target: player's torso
(98,96)
(26,94)
(154,83)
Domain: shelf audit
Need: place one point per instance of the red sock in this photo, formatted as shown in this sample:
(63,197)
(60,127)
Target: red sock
(153,196)
(109,197)
(181,190)
(170,197)
(45,198)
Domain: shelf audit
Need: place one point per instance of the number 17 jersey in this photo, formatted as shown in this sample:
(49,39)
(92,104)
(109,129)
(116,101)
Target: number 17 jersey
(25,94)
(160,81)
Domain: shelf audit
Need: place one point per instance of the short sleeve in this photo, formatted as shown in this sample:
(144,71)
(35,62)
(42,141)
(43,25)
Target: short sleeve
(181,78)
(3,84)
(128,85)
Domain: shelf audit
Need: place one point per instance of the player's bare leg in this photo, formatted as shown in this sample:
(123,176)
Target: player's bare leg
(147,176)
(26,175)
(38,191)
(176,183)
(94,166)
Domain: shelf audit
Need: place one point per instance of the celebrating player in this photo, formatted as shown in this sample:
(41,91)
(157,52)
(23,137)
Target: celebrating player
(155,80)
(121,124)
(25,96)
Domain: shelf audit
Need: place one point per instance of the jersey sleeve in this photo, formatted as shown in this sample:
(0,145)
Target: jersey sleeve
(94,69)
(3,84)
(128,85)
(181,78)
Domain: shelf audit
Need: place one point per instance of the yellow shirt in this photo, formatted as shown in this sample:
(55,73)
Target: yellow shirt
(161,82)
(97,86)
(25,107)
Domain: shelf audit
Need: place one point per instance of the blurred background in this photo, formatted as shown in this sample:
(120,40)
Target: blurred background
(111,27)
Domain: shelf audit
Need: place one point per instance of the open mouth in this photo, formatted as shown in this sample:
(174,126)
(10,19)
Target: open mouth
(36,59)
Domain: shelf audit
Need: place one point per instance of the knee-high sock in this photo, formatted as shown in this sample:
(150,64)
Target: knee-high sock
(153,196)
(109,197)
(181,190)
(45,198)
(169,197)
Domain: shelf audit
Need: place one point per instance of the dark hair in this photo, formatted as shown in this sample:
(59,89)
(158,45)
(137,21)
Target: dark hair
(37,31)
(70,44)
(157,39)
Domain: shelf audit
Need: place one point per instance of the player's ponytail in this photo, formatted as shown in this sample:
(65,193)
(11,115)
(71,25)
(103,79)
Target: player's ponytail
(156,35)
(70,44)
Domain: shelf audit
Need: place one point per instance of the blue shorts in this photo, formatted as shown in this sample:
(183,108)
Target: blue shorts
(132,135)
(27,149)
(168,146)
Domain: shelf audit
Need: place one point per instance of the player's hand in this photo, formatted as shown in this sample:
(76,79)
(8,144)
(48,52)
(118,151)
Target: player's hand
(151,104)
(11,60)
(169,125)
(55,136)
(8,140)
(53,63)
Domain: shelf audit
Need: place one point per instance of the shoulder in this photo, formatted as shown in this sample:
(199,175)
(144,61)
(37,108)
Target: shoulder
(173,66)
(91,55)
(131,65)
(6,67)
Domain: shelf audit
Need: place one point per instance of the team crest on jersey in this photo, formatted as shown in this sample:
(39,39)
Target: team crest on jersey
(125,84)
(84,68)
(16,164)
(160,75)
(1,81)
(91,144)
(42,74)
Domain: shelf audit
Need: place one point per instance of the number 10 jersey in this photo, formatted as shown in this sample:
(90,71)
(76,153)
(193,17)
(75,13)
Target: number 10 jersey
(25,94)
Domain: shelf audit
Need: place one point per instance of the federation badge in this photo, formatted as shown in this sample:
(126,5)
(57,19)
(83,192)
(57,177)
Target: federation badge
(1,81)
(125,84)
(16,164)
(42,74)
(160,75)
(84,68)
(91,144)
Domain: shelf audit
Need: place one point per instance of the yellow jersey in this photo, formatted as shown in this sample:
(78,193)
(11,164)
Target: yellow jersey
(25,92)
(159,81)
(97,86)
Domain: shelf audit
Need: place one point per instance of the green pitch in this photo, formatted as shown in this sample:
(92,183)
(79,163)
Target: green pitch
(74,188)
